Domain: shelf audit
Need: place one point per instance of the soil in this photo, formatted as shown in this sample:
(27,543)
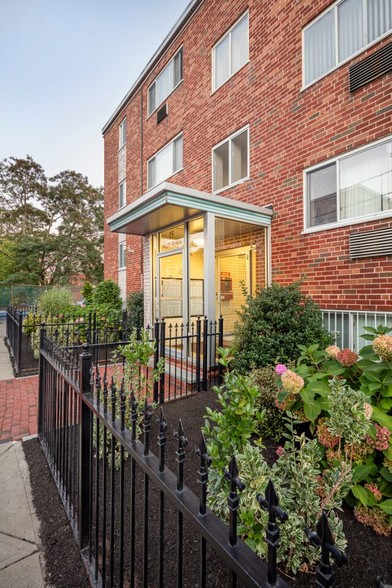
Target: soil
(369,555)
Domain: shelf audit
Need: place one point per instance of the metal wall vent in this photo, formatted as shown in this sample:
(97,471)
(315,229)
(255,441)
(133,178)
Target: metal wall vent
(370,68)
(162,113)
(371,243)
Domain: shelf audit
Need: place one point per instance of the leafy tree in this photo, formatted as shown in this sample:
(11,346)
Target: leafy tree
(55,224)
(7,258)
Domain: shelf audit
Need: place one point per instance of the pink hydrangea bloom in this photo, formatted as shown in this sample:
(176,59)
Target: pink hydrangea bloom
(332,351)
(347,357)
(381,441)
(280,369)
(292,382)
(374,490)
(279,450)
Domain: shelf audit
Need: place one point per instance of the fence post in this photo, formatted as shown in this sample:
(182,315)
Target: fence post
(156,358)
(85,440)
(20,329)
(323,538)
(41,379)
(205,353)
(220,344)
(162,355)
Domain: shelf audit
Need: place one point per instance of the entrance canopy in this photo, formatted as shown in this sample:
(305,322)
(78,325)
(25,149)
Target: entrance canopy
(168,204)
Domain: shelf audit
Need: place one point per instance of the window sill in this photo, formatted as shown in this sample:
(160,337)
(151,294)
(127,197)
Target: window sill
(348,222)
(165,179)
(229,186)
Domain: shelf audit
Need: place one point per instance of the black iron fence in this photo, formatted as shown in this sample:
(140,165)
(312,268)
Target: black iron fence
(188,350)
(136,521)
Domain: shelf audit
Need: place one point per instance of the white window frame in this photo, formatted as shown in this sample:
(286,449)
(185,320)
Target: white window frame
(151,111)
(230,138)
(338,64)
(124,185)
(346,222)
(228,33)
(174,171)
(122,133)
(122,263)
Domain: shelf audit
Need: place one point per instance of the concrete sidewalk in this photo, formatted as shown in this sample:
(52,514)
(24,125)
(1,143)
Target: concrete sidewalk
(21,561)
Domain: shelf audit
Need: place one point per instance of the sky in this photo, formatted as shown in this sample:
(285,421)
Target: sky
(65,65)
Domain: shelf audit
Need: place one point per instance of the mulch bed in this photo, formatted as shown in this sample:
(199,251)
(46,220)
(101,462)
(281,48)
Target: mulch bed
(369,555)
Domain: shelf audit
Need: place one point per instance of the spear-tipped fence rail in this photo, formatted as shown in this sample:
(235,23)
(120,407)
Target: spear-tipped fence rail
(127,509)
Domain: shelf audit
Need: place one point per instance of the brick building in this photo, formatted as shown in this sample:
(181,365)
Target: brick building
(256,146)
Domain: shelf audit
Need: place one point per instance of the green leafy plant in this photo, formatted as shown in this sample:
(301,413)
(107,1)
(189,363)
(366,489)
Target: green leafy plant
(271,325)
(347,399)
(107,293)
(271,426)
(304,492)
(135,309)
(87,292)
(55,301)
(227,430)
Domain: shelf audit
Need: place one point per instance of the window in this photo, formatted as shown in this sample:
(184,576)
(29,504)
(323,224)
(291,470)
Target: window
(121,256)
(165,163)
(230,160)
(347,326)
(231,52)
(122,133)
(352,186)
(164,84)
(344,29)
(122,194)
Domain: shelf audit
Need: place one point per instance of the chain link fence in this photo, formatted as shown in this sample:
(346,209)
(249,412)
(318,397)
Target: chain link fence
(19,294)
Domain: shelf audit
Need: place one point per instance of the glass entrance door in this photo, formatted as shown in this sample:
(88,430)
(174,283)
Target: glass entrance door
(170,290)
(232,274)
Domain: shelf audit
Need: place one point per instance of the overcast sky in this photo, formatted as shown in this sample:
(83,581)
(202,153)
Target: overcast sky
(65,65)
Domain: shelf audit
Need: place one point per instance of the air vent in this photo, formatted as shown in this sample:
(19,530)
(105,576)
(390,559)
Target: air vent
(162,113)
(371,243)
(370,68)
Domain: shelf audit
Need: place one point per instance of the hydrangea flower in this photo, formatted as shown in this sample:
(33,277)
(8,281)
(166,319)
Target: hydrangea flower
(324,436)
(280,369)
(279,450)
(382,345)
(332,351)
(292,382)
(375,491)
(347,357)
(368,410)
(381,441)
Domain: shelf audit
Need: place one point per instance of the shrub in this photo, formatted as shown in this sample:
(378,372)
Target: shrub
(272,425)
(303,493)
(271,325)
(135,309)
(348,400)
(238,417)
(55,301)
(87,292)
(107,293)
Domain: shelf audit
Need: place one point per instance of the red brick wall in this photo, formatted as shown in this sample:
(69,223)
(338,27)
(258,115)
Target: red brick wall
(290,130)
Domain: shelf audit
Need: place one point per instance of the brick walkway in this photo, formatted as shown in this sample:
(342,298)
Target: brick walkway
(18,408)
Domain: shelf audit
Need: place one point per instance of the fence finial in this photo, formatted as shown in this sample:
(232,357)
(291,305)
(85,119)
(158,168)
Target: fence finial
(202,474)
(162,439)
(323,538)
(270,503)
(180,454)
(234,500)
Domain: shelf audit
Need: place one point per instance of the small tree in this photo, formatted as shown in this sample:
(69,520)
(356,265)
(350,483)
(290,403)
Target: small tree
(135,308)
(87,292)
(107,293)
(271,325)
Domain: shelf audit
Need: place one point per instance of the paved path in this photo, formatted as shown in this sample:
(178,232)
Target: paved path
(21,562)
(18,399)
